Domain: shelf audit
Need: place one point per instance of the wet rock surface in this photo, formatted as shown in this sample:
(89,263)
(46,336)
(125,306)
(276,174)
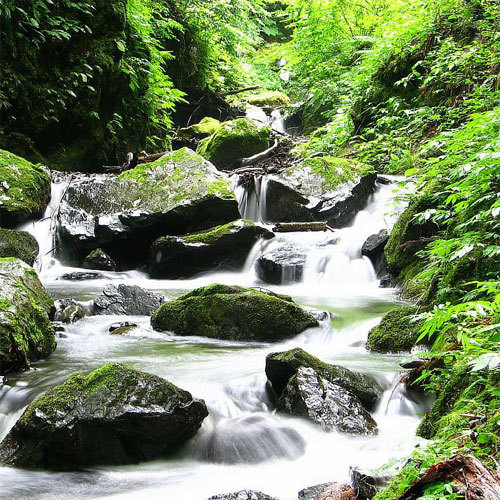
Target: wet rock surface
(114,415)
(337,492)
(366,484)
(242,495)
(121,327)
(67,311)
(127,299)
(100,260)
(373,248)
(310,492)
(283,265)
(19,244)
(82,276)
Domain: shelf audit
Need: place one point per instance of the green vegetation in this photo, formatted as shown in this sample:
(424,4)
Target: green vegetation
(206,127)
(212,235)
(19,244)
(270,99)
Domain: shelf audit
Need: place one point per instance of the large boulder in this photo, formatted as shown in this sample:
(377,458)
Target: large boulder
(127,299)
(19,244)
(222,247)
(177,194)
(24,189)
(282,366)
(114,415)
(234,140)
(242,495)
(25,331)
(329,405)
(282,265)
(319,189)
(233,313)
(373,248)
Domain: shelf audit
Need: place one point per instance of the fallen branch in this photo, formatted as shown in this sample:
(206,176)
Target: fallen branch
(239,91)
(245,162)
(288,227)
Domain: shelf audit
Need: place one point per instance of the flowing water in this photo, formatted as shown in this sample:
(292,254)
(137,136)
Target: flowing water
(243,443)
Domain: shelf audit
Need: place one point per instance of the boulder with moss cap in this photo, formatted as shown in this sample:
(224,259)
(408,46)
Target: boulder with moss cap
(233,313)
(177,194)
(221,247)
(24,189)
(270,99)
(19,244)
(205,128)
(26,334)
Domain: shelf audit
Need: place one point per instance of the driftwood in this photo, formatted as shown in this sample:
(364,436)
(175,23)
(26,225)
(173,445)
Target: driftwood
(245,162)
(239,91)
(468,475)
(145,158)
(288,227)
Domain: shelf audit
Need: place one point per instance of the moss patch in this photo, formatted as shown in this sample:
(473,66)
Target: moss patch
(270,99)
(206,127)
(19,244)
(215,233)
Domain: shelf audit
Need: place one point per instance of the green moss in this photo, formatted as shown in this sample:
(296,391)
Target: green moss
(270,99)
(19,244)
(206,127)
(396,332)
(213,234)
(234,140)
(24,189)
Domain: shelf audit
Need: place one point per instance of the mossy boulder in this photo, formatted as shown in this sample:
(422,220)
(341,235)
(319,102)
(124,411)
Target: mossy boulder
(319,189)
(205,128)
(115,415)
(234,140)
(398,331)
(233,313)
(269,99)
(19,244)
(282,366)
(100,260)
(221,247)
(177,194)
(24,189)
(25,331)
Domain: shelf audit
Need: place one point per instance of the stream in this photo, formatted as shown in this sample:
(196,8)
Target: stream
(243,443)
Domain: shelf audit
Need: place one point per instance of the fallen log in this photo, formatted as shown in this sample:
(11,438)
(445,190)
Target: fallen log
(148,158)
(239,91)
(245,162)
(288,227)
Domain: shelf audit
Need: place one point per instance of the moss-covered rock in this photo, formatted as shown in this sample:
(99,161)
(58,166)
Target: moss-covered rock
(269,99)
(177,194)
(24,189)
(398,331)
(233,313)
(100,260)
(282,366)
(205,128)
(221,247)
(19,244)
(114,415)
(234,140)
(25,331)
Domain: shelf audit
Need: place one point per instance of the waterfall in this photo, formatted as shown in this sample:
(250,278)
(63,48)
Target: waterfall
(251,193)
(275,120)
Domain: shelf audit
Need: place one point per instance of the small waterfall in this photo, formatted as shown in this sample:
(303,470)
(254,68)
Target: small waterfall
(399,401)
(275,120)
(251,193)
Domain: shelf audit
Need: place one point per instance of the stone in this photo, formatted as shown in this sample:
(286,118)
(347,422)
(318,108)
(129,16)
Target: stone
(24,189)
(242,495)
(366,484)
(66,311)
(82,276)
(26,334)
(373,248)
(329,405)
(115,415)
(282,265)
(100,260)
(233,313)
(127,300)
(19,244)
(204,128)
(223,248)
(121,327)
(337,492)
(310,492)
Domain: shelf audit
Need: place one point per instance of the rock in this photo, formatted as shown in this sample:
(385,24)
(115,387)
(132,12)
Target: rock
(100,260)
(81,276)
(115,415)
(270,99)
(243,495)
(331,406)
(319,189)
(121,327)
(221,247)
(387,281)
(205,128)
(282,366)
(25,331)
(127,299)
(66,311)
(233,313)
(373,248)
(282,265)
(24,189)
(19,244)
(365,484)
(310,492)
(177,194)
(234,140)
(337,492)
(396,332)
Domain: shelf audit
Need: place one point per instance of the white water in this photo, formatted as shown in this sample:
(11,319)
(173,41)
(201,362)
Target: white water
(274,120)
(243,443)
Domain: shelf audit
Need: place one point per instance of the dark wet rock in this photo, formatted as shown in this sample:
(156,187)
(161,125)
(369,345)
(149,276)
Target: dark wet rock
(127,299)
(373,248)
(233,313)
(58,327)
(24,189)
(319,189)
(221,247)
(243,495)
(282,366)
(67,311)
(282,265)
(100,260)
(366,484)
(311,492)
(331,406)
(337,492)
(82,276)
(177,194)
(387,281)
(26,333)
(19,244)
(250,439)
(114,415)
(410,364)
(121,327)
